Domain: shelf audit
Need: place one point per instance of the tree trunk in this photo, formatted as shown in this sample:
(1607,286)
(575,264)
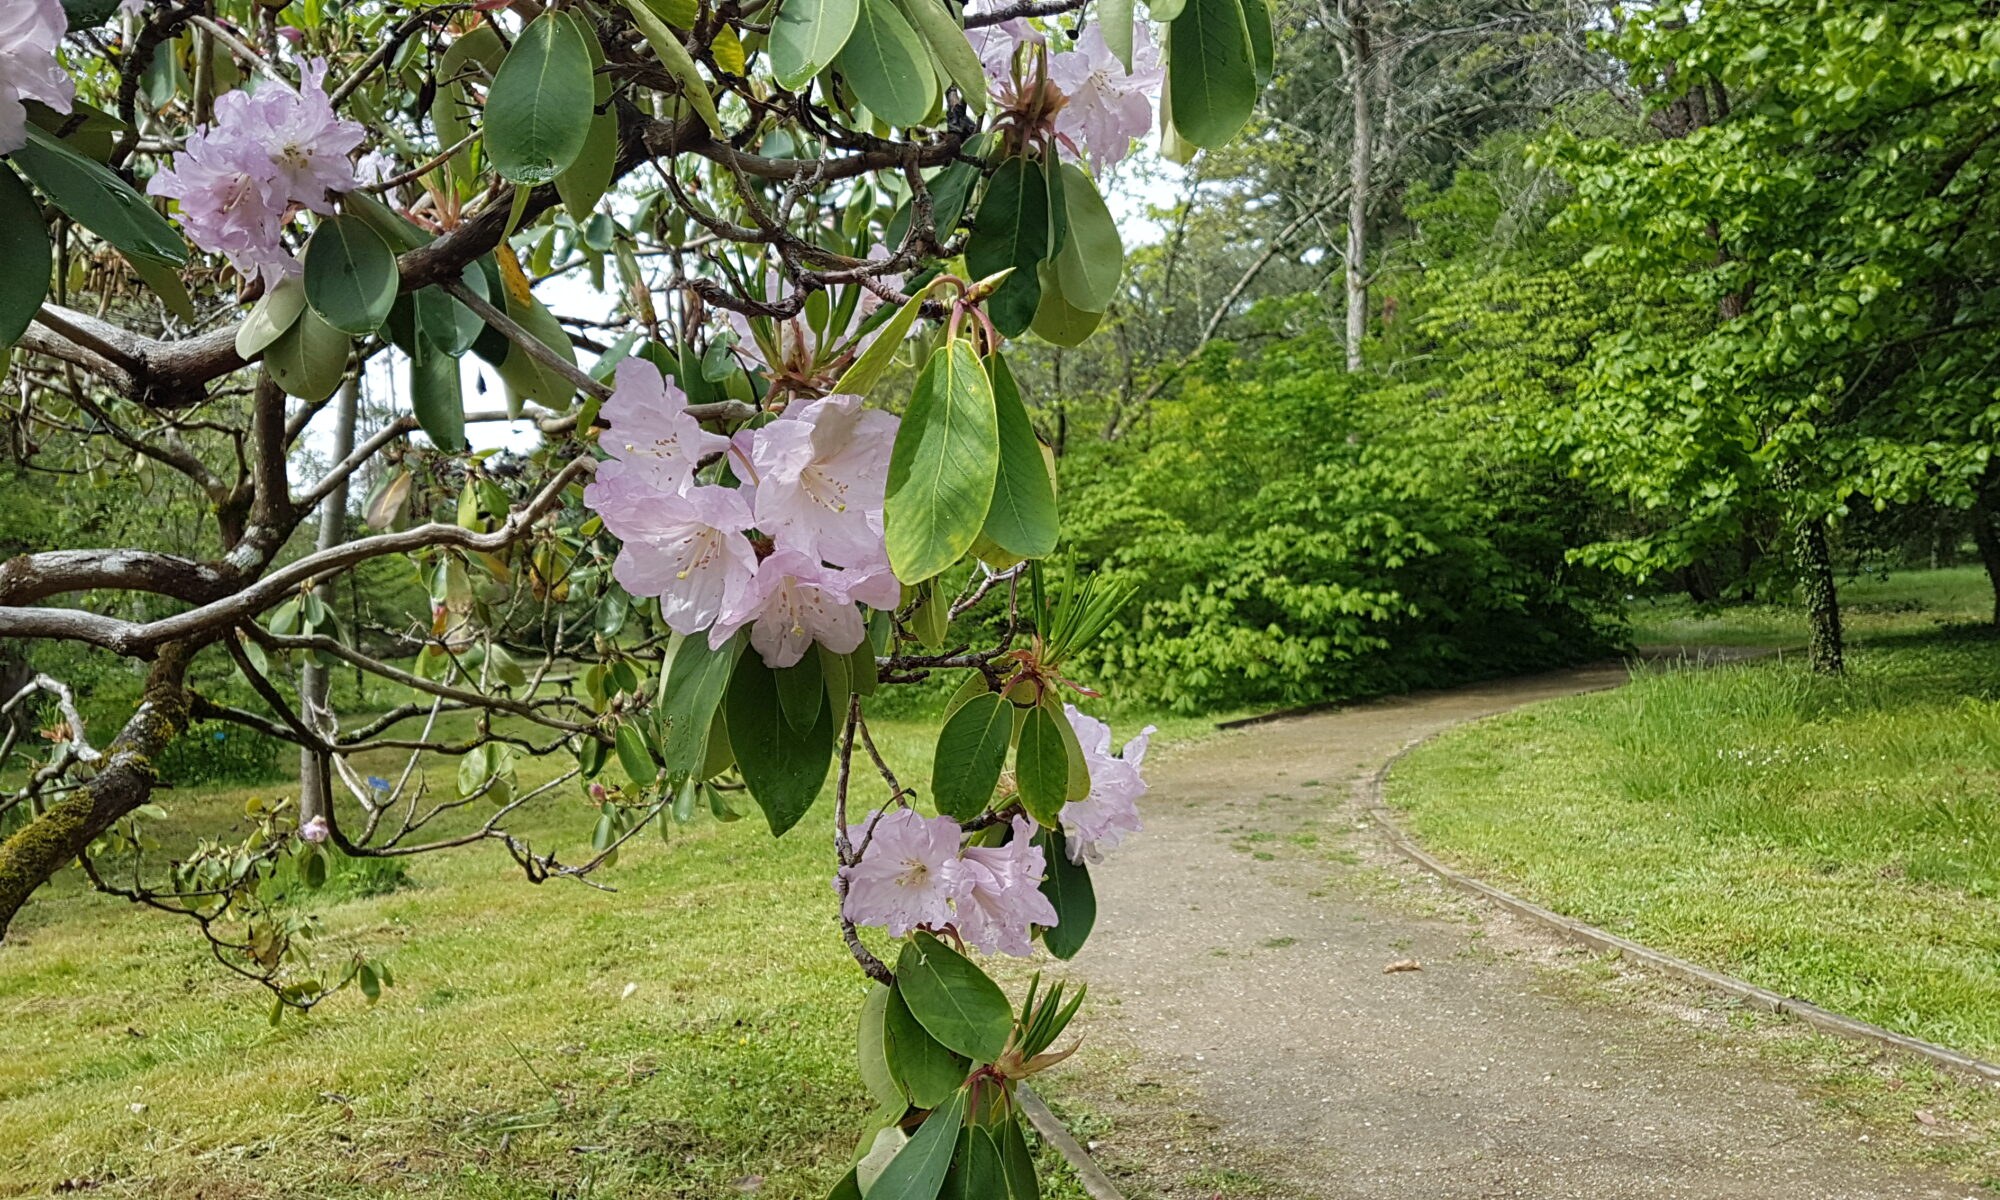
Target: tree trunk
(1825,646)
(1986,535)
(1361,85)
(52,840)
(313,680)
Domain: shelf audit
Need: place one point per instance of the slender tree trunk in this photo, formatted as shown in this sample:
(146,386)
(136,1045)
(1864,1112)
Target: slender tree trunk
(1361,84)
(1825,646)
(313,679)
(1986,535)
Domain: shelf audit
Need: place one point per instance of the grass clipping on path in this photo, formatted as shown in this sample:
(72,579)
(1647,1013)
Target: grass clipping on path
(1833,839)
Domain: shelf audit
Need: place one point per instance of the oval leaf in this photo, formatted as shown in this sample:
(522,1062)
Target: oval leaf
(1067,886)
(971,749)
(437,396)
(539,112)
(950,47)
(1093,258)
(310,359)
(1022,519)
(943,467)
(953,999)
(275,312)
(887,65)
(1210,79)
(921,1068)
(97,199)
(807,36)
(784,769)
(690,692)
(350,276)
(1012,230)
(1041,766)
(918,1170)
(24,247)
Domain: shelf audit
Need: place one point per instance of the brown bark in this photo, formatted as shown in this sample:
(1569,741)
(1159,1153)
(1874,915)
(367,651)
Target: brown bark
(1986,535)
(1825,645)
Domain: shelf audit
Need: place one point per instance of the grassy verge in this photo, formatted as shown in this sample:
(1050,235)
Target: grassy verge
(1838,840)
(688,1036)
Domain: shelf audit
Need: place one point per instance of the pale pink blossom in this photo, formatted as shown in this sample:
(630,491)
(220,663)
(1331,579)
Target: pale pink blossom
(1107,107)
(30,31)
(652,440)
(268,154)
(909,872)
(821,470)
(793,601)
(1095,825)
(996,44)
(1005,895)
(687,548)
(315,831)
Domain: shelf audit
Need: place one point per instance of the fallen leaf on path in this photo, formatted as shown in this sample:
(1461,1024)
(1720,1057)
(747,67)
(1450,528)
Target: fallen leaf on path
(1926,1116)
(1402,964)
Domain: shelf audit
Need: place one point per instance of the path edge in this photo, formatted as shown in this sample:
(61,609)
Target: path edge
(1822,1019)
(1096,1184)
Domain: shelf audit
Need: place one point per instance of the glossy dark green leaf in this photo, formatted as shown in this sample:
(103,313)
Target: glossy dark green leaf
(437,396)
(802,692)
(918,1170)
(1012,230)
(633,757)
(953,999)
(24,247)
(690,694)
(1210,77)
(943,466)
(1069,891)
(971,750)
(784,769)
(350,275)
(310,359)
(1041,766)
(539,111)
(1263,51)
(806,36)
(887,65)
(976,1171)
(1017,1163)
(1022,519)
(849,1187)
(924,1070)
(97,199)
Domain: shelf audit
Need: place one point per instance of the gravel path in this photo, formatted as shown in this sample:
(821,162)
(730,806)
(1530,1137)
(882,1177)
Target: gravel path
(1249,1039)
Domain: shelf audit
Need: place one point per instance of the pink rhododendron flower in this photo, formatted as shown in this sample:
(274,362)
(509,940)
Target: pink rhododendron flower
(1107,108)
(908,875)
(996,44)
(1005,894)
(315,831)
(793,601)
(30,31)
(652,441)
(1096,824)
(269,153)
(821,470)
(687,548)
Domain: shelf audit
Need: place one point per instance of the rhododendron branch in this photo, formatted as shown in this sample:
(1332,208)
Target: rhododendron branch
(533,346)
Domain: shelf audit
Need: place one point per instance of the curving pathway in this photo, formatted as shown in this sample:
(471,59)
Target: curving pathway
(1254,1044)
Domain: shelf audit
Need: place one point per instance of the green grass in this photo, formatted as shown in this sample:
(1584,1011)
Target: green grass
(676,1038)
(1833,839)
(1871,605)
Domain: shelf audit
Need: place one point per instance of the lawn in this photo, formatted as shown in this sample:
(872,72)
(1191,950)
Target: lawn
(1833,839)
(690,1035)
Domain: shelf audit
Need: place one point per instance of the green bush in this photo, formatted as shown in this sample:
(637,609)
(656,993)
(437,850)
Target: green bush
(213,752)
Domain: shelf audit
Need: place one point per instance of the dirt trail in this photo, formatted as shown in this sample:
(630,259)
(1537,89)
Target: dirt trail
(1238,963)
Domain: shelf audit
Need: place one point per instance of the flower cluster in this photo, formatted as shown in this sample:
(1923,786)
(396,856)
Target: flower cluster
(788,552)
(269,153)
(805,354)
(919,872)
(30,30)
(1099,106)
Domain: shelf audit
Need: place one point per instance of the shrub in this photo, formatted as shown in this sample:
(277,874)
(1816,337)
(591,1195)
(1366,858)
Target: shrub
(213,752)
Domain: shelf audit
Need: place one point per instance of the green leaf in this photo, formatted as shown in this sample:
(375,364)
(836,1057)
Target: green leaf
(275,312)
(1041,766)
(1079,766)
(806,37)
(527,377)
(633,757)
(1263,52)
(1059,321)
(1165,10)
(1210,79)
(1114,21)
(948,44)
(539,111)
(861,378)
(675,58)
(1093,258)
(918,1170)
(1012,230)
(953,999)
(783,769)
(1017,1163)
(976,1173)
(887,65)
(1022,519)
(98,200)
(849,1187)
(690,692)
(310,359)
(802,693)
(872,1046)
(1069,891)
(971,750)
(24,247)
(350,275)
(474,56)
(590,176)
(923,1070)
(943,466)
(437,396)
